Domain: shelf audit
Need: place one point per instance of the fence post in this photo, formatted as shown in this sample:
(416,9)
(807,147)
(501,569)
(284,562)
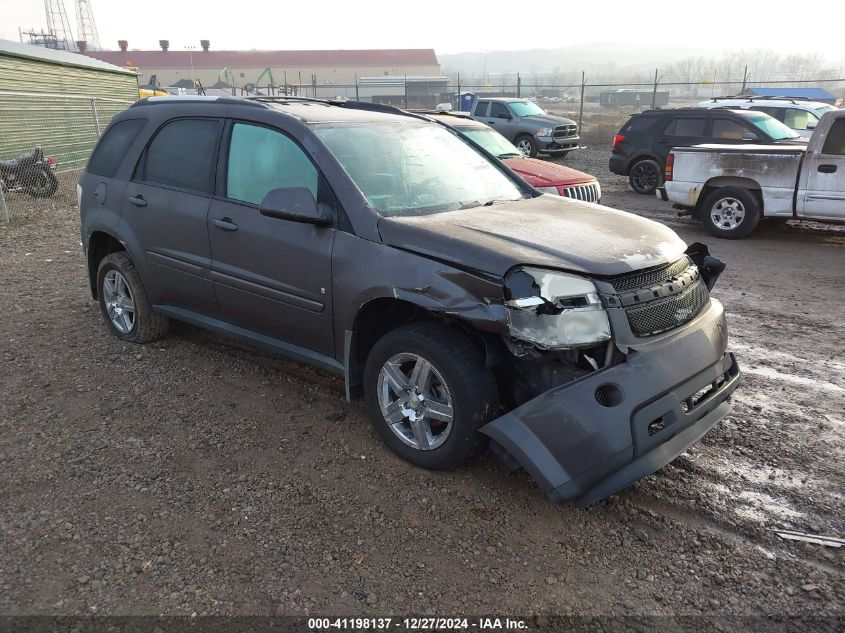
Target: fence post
(518,85)
(406,92)
(581,108)
(654,92)
(357,98)
(3,208)
(96,118)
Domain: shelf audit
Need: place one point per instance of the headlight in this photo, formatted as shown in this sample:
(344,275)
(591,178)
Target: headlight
(551,190)
(543,131)
(554,310)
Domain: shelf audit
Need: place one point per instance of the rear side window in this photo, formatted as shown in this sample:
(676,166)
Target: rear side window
(182,155)
(499,111)
(639,124)
(727,129)
(835,141)
(113,147)
(686,127)
(797,119)
(481,108)
(261,159)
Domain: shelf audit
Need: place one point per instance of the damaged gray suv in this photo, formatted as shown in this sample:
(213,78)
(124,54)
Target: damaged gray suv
(468,309)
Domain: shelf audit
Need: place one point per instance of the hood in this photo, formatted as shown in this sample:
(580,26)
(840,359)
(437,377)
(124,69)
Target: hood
(541,173)
(548,231)
(546,120)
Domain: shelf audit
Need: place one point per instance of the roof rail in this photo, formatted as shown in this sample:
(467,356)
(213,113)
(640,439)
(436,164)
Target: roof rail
(773,97)
(190,99)
(341,103)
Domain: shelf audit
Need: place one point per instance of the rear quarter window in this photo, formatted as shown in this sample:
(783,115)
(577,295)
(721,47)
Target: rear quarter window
(639,124)
(113,147)
(481,108)
(835,141)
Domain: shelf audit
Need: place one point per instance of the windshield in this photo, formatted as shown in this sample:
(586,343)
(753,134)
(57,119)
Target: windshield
(821,110)
(525,108)
(774,128)
(493,142)
(410,169)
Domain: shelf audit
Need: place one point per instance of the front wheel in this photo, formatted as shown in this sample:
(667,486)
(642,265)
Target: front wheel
(645,176)
(527,145)
(428,392)
(731,212)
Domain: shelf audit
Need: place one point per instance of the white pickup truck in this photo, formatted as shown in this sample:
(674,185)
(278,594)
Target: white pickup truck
(732,187)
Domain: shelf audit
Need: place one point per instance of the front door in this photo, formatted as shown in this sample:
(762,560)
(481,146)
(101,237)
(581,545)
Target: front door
(271,276)
(165,206)
(823,179)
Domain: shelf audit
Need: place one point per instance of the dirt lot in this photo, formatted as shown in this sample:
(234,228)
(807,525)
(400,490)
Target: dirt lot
(197,476)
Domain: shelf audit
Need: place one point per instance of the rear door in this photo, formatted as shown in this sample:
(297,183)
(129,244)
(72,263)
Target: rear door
(481,110)
(682,131)
(165,206)
(271,276)
(822,184)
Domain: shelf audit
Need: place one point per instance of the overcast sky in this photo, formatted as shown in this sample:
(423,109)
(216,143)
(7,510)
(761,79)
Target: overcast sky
(452,27)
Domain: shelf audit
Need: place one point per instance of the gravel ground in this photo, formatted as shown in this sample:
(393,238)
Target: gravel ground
(195,475)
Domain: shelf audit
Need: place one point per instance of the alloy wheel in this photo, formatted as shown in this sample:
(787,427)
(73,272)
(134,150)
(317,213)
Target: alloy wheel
(727,213)
(415,401)
(118,300)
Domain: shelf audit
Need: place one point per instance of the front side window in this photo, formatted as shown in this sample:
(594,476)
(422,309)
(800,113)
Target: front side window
(526,108)
(728,130)
(834,144)
(113,147)
(798,119)
(261,159)
(405,168)
(772,127)
(499,111)
(182,155)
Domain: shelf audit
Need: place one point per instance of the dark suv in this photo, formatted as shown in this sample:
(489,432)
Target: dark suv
(467,308)
(642,144)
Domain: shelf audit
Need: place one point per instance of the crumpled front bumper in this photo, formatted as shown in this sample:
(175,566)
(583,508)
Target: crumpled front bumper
(593,437)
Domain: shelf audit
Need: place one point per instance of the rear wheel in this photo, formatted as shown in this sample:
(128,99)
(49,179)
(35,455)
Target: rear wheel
(527,145)
(427,393)
(41,182)
(645,176)
(731,212)
(124,301)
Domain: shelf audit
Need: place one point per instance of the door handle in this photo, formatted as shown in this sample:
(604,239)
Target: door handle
(827,169)
(138,200)
(663,140)
(226,224)
(491,123)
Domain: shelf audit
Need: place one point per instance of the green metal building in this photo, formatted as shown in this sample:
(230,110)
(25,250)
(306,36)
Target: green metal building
(58,100)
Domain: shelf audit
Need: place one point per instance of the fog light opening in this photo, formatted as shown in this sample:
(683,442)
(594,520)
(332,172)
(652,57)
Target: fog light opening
(608,395)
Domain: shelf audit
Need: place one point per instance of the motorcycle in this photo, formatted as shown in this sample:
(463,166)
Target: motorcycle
(30,173)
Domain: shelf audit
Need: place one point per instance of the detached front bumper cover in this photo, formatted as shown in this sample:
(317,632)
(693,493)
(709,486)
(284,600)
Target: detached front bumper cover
(593,437)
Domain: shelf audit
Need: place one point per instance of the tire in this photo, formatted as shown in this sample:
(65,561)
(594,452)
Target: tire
(645,176)
(527,145)
(138,325)
(457,375)
(41,182)
(731,212)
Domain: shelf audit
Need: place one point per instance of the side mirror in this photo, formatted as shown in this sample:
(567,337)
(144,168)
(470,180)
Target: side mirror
(811,124)
(750,136)
(296,204)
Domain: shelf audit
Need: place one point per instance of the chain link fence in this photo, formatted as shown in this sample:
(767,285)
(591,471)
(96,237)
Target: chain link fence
(45,142)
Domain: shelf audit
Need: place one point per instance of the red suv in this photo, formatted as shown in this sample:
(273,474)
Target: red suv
(546,176)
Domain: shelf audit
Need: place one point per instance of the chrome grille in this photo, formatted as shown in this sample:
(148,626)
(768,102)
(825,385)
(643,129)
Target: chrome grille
(660,315)
(587,193)
(563,131)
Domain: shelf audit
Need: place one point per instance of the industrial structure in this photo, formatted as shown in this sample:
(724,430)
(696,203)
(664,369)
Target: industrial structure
(324,72)
(59,35)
